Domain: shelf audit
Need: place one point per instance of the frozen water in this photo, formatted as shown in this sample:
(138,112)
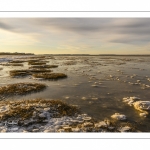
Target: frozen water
(118,116)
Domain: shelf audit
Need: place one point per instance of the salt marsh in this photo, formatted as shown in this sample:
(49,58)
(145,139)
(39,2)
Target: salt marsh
(97,85)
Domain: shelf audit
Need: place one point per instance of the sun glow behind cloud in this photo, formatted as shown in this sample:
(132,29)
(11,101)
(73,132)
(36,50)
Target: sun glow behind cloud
(75,35)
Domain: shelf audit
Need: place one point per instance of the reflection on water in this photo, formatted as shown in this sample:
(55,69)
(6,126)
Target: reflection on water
(97,84)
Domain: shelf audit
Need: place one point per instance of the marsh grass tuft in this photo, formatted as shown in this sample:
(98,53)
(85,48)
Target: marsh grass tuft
(23,73)
(13,64)
(37,63)
(23,109)
(18,61)
(40,57)
(21,88)
(41,70)
(43,66)
(50,76)
(34,60)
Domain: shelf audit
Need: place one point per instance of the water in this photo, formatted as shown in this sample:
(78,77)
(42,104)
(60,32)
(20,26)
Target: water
(97,84)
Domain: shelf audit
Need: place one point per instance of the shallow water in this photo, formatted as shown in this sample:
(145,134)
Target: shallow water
(97,84)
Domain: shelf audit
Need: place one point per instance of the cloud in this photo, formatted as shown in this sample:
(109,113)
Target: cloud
(5,26)
(92,32)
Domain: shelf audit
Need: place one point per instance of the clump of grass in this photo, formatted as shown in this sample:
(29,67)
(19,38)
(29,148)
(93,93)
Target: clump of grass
(44,66)
(35,57)
(50,75)
(21,88)
(17,61)
(41,70)
(34,60)
(13,64)
(37,63)
(22,73)
(24,109)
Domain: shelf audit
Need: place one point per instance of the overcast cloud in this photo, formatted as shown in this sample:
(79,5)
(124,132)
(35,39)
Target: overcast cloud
(77,32)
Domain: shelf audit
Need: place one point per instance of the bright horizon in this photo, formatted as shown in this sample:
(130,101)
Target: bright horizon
(75,35)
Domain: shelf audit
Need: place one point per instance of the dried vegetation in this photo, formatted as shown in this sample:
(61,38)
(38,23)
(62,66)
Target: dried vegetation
(21,88)
(24,109)
(50,76)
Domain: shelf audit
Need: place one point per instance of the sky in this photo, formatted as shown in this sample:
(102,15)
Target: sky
(75,35)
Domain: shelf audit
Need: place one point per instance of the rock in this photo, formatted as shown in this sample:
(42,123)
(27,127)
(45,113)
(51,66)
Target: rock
(118,116)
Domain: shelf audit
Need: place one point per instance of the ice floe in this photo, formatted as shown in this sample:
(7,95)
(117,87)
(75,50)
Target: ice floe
(143,114)
(124,129)
(142,106)
(101,124)
(130,100)
(118,116)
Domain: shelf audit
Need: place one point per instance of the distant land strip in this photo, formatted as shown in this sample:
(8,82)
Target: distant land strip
(147,55)
(7,53)
(16,53)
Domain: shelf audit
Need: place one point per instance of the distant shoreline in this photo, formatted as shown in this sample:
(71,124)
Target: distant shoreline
(7,53)
(95,55)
